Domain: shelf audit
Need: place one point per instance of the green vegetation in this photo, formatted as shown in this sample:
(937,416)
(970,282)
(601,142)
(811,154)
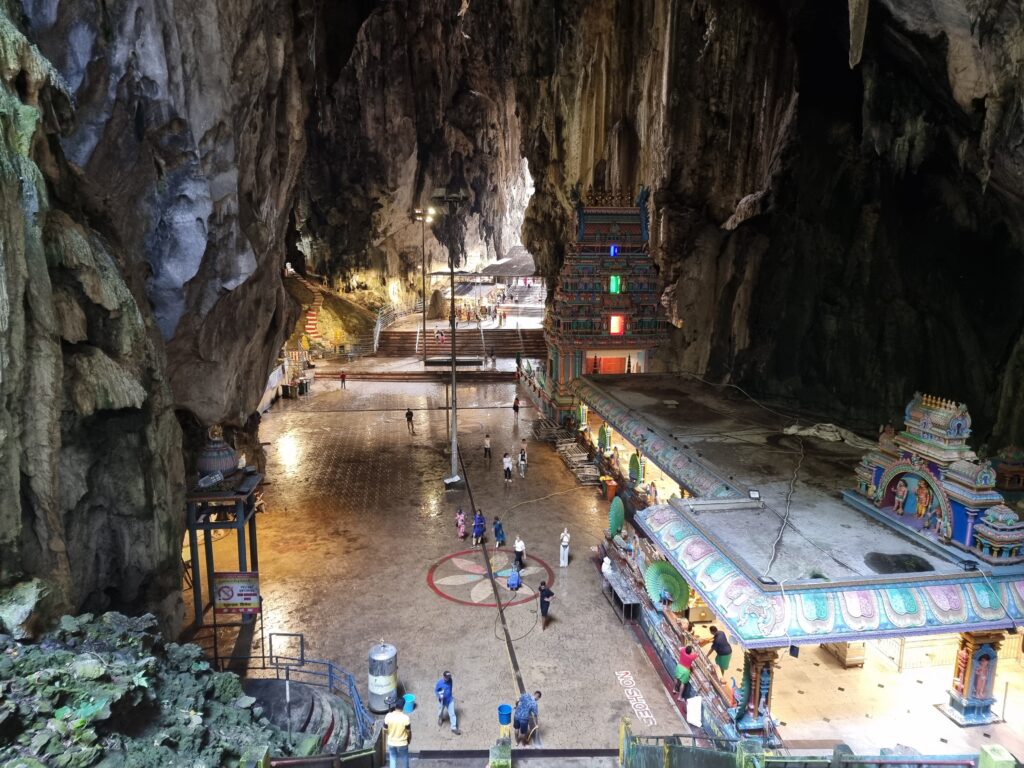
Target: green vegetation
(109,692)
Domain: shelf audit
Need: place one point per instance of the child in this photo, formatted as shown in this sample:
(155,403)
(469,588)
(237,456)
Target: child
(499,533)
(479,526)
(460,523)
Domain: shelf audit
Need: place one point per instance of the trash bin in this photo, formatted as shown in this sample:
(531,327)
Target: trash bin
(611,487)
(410,703)
(504,714)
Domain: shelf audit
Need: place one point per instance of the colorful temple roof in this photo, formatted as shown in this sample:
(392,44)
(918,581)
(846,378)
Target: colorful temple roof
(962,592)
(767,616)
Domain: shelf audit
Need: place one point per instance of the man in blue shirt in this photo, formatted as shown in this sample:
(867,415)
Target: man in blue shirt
(525,708)
(445,701)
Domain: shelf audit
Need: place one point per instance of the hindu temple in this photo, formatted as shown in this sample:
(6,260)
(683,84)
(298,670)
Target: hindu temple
(605,316)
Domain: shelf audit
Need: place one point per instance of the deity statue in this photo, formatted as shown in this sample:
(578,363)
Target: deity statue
(901,496)
(960,670)
(924,498)
(981,673)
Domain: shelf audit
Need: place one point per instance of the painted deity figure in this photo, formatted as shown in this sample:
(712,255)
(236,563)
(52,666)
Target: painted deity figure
(901,497)
(981,675)
(924,498)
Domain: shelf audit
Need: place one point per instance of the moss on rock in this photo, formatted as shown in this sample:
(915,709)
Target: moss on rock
(108,691)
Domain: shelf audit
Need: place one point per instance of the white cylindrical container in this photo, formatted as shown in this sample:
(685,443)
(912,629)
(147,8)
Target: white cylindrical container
(383,677)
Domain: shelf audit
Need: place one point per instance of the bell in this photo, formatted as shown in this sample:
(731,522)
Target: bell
(216,455)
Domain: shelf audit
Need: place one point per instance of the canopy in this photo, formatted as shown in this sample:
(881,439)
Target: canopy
(518,262)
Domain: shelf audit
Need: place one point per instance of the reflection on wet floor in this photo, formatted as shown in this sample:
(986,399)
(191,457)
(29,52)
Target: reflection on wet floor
(356,518)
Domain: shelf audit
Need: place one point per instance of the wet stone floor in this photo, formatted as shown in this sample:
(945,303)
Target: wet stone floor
(358,544)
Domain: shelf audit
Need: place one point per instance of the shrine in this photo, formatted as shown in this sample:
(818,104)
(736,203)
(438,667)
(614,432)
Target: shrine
(929,480)
(606,317)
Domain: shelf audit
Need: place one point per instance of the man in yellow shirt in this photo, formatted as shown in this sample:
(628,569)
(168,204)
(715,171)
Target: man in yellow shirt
(397,723)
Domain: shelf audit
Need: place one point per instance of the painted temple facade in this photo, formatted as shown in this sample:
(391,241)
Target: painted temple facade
(930,480)
(606,316)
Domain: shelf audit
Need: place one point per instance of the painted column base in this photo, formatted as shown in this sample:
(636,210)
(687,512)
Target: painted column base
(967,712)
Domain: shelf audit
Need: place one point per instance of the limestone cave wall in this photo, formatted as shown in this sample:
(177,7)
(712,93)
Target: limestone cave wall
(836,203)
(409,96)
(149,159)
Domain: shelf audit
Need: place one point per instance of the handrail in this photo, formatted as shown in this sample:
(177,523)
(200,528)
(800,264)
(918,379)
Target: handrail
(388,316)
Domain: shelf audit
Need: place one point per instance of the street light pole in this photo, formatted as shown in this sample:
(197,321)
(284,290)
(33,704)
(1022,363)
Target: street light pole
(452,198)
(424,218)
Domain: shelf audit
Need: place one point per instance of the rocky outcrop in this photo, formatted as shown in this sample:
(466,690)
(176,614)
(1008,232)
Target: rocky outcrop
(90,455)
(834,236)
(187,142)
(407,97)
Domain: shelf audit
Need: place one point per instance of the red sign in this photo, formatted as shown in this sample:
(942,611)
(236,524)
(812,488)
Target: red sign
(236,592)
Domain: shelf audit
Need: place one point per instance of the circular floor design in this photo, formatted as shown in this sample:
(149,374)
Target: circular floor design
(462,578)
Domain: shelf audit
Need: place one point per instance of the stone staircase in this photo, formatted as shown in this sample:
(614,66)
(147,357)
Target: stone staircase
(311,327)
(469,342)
(315,715)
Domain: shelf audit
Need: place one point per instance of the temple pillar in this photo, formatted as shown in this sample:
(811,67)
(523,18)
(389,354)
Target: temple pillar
(972,516)
(974,674)
(753,704)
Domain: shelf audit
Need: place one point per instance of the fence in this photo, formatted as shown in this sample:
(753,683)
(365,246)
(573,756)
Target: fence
(677,751)
(688,751)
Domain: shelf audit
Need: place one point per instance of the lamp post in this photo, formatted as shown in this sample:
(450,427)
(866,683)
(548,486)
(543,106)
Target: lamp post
(453,197)
(424,217)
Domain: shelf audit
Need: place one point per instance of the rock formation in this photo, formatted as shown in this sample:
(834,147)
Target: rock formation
(149,160)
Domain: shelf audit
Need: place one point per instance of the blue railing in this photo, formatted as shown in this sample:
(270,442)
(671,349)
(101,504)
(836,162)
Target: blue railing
(322,673)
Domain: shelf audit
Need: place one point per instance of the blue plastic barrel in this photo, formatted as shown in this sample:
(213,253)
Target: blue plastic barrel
(410,702)
(504,714)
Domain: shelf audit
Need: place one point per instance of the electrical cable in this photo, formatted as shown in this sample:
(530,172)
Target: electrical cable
(789,509)
(1000,599)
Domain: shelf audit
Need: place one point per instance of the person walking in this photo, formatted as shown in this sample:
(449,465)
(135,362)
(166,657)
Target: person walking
(684,669)
(720,645)
(397,724)
(408,421)
(487,448)
(499,533)
(446,701)
(506,467)
(563,548)
(479,527)
(520,549)
(526,708)
(460,523)
(522,460)
(515,408)
(545,595)
(341,378)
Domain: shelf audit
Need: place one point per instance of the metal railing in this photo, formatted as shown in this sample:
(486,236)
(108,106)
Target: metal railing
(316,672)
(388,316)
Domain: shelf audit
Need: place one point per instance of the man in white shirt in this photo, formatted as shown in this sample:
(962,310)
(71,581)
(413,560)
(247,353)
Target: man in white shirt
(520,548)
(563,549)
(506,467)
(487,448)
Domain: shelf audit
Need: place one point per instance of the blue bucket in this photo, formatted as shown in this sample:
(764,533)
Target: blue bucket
(410,703)
(504,714)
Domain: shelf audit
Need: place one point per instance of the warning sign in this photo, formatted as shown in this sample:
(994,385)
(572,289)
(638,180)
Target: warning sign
(236,592)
